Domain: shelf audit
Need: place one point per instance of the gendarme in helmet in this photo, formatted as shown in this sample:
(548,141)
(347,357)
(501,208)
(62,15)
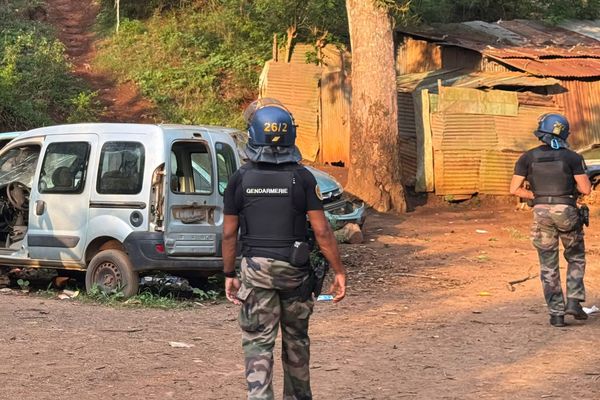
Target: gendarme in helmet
(553,129)
(272,133)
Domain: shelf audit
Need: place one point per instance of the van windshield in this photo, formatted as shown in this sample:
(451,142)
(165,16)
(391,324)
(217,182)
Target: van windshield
(18,165)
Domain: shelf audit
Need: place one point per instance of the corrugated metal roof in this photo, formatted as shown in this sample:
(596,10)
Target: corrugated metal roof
(410,82)
(498,31)
(586,28)
(458,78)
(520,35)
(524,39)
(558,67)
(540,35)
(541,52)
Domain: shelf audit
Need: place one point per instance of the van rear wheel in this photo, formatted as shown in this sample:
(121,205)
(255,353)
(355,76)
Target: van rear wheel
(111,272)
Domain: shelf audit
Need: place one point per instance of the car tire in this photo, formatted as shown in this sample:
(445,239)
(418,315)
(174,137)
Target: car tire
(112,272)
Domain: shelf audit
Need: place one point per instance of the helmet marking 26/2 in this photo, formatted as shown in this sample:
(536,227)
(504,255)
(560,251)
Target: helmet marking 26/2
(270,124)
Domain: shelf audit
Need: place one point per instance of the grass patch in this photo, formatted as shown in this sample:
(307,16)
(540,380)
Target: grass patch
(155,296)
(161,296)
(147,299)
(516,234)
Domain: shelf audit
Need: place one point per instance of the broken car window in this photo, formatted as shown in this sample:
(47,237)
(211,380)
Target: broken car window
(18,165)
(191,168)
(64,167)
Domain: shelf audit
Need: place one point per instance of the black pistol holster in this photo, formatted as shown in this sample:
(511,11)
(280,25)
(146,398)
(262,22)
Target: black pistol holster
(313,284)
(584,215)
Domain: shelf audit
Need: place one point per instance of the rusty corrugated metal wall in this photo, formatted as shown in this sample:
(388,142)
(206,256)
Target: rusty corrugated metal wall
(335,112)
(582,107)
(417,56)
(408,137)
(476,153)
(319,98)
(296,85)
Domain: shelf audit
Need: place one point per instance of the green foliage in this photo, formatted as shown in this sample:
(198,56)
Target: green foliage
(201,63)
(493,10)
(85,108)
(145,299)
(23,284)
(205,294)
(36,87)
(149,298)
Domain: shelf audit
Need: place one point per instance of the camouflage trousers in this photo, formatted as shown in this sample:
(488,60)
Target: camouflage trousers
(262,312)
(551,222)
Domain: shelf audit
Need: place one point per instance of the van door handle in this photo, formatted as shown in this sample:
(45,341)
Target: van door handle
(40,207)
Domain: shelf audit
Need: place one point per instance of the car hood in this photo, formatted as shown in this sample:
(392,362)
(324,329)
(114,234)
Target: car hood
(326,182)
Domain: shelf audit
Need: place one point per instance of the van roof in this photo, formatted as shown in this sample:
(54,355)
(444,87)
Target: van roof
(122,128)
(9,135)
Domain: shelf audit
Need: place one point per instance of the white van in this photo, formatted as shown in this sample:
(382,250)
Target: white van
(115,200)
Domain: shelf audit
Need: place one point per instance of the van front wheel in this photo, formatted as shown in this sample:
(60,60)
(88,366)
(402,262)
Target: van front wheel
(111,272)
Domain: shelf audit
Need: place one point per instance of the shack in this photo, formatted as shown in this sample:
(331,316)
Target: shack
(470,94)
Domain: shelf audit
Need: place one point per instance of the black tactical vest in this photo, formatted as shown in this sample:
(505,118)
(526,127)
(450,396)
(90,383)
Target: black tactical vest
(269,218)
(550,175)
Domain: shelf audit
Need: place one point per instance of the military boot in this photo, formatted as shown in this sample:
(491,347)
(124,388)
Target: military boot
(557,320)
(575,309)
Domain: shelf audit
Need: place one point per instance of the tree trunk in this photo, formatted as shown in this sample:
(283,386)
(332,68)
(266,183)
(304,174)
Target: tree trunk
(375,170)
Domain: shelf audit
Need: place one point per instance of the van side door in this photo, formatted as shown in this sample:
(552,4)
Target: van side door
(60,196)
(198,172)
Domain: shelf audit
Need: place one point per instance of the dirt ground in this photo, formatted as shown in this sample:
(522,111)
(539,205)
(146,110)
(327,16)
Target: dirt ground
(429,315)
(74,21)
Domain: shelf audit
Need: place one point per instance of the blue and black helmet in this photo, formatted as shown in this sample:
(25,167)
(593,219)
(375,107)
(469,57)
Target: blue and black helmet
(270,124)
(553,124)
